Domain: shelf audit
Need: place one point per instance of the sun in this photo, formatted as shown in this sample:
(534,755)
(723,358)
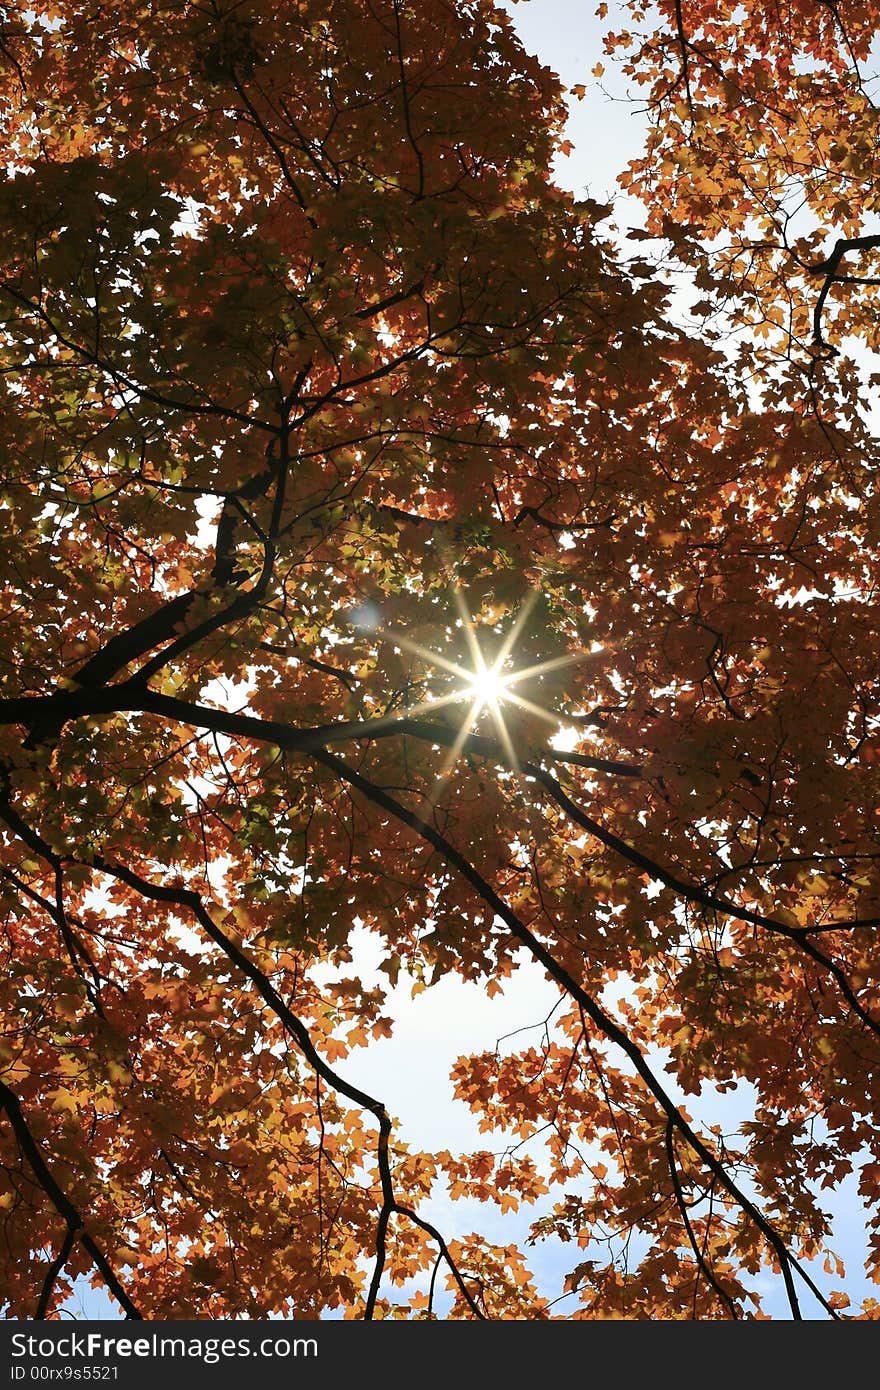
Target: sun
(486,686)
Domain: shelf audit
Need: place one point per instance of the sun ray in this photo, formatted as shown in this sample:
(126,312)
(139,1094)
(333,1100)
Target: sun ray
(513,635)
(484,687)
(504,734)
(435,658)
(398,716)
(453,754)
(553,664)
(469,635)
(531,707)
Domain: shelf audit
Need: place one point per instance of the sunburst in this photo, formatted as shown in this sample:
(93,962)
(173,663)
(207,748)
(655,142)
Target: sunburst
(484,686)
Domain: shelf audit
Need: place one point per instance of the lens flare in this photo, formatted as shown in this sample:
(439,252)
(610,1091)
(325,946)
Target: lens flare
(485,687)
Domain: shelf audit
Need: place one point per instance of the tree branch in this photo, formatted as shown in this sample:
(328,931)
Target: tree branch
(828,268)
(606,1025)
(192,901)
(66,1210)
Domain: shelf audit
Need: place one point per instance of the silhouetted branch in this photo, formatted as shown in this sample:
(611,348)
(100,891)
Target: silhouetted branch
(73,1219)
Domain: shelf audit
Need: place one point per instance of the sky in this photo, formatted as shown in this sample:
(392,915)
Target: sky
(410,1071)
(607,127)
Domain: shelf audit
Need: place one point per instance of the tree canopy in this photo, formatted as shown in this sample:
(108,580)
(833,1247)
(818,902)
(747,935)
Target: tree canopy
(384,544)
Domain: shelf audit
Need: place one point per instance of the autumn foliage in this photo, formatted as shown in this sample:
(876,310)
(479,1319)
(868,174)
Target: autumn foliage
(317,392)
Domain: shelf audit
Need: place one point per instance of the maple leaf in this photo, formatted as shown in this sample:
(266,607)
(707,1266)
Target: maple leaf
(379,556)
